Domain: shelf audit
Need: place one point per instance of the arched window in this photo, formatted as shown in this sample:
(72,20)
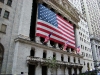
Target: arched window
(1,55)
(84,63)
(88,67)
(32,52)
(62,58)
(74,60)
(68,59)
(60,46)
(54,55)
(78,60)
(42,39)
(44,54)
(52,43)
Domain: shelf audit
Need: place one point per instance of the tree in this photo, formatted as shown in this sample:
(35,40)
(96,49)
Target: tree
(51,63)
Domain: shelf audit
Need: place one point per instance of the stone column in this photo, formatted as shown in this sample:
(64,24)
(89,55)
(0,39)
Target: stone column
(48,71)
(69,50)
(48,44)
(37,40)
(73,71)
(57,47)
(97,49)
(77,71)
(94,53)
(25,18)
(76,59)
(76,31)
(71,59)
(65,58)
(94,50)
(38,70)
(59,70)
(66,71)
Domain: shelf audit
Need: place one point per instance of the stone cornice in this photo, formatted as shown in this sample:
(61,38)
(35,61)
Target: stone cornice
(88,59)
(92,37)
(26,40)
(69,13)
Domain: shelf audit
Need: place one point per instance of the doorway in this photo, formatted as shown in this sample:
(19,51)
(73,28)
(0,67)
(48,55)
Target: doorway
(69,71)
(31,69)
(1,55)
(75,71)
(44,70)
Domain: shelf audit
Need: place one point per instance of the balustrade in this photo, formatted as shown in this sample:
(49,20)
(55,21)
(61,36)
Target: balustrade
(41,60)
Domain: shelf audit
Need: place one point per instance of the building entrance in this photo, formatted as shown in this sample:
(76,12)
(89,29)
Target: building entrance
(1,55)
(44,70)
(69,71)
(31,69)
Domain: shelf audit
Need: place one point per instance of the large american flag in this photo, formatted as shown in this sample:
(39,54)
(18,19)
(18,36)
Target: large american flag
(48,21)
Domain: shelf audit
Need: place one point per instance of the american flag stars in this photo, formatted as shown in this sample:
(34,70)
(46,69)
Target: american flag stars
(48,21)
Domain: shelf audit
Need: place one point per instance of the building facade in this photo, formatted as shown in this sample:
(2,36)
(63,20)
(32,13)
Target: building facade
(90,10)
(83,32)
(93,15)
(22,52)
(84,42)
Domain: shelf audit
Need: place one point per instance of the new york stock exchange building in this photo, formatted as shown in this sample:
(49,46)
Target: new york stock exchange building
(43,30)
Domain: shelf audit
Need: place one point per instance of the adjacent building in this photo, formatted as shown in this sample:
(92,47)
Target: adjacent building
(93,16)
(22,50)
(91,10)
(83,35)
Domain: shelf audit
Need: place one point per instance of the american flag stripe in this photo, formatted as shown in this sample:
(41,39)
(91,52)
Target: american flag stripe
(65,22)
(52,29)
(47,28)
(56,39)
(66,31)
(48,22)
(70,31)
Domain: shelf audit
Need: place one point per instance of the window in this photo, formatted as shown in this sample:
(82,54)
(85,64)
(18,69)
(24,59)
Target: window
(74,60)
(6,15)
(2,1)
(3,28)
(86,54)
(84,63)
(62,58)
(80,38)
(68,59)
(60,46)
(79,33)
(44,54)
(78,60)
(52,43)
(32,52)
(82,53)
(85,48)
(54,55)
(0,11)
(41,39)
(9,2)
(81,46)
(91,64)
